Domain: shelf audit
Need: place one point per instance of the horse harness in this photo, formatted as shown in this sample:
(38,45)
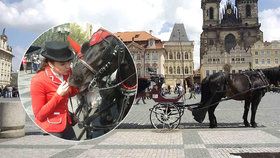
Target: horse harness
(262,77)
(126,90)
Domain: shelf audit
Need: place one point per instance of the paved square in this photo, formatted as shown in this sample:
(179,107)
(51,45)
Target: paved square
(42,140)
(144,138)
(237,137)
(226,152)
(27,153)
(135,153)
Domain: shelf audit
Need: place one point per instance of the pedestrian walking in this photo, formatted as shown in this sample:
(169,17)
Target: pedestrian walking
(24,64)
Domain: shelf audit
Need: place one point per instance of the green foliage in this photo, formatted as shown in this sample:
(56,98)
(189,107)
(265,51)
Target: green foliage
(60,33)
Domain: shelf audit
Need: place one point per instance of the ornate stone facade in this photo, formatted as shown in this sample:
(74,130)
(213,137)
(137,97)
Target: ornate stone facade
(146,50)
(228,36)
(178,62)
(5,60)
(265,54)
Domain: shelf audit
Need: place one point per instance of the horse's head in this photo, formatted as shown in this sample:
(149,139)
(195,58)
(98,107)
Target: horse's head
(190,81)
(101,56)
(143,83)
(273,75)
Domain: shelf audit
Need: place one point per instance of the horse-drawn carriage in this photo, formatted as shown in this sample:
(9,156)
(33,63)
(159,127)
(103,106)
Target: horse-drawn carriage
(249,86)
(108,82)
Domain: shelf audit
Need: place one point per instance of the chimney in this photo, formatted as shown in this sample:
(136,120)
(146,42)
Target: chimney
(151,32)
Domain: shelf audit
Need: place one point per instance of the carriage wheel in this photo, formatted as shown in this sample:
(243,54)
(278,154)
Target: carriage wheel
(165,116)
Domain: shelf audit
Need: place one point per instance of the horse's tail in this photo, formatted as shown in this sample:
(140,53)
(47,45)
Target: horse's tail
(199,112)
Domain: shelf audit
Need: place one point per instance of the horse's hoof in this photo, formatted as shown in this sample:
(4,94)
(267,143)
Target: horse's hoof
(254,125)
(247,124)
(213,126)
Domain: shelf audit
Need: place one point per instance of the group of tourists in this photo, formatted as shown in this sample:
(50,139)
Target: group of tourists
(9,91)
(35,63)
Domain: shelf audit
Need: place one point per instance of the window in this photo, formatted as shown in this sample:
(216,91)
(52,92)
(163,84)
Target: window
(174,68)
(186,55)
(178,70)
(276,61)
(211,13)
(170,70)
(207,72)
(256,61)
(262,61)
(138,56)
(155,56)
(268,61)
(148,56)
(170,55)
(178,55)
(230,42)
(186,70)
(256,53)
(248,11)
(233,71)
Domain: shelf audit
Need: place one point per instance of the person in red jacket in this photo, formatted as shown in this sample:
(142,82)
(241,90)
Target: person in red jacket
(50,91)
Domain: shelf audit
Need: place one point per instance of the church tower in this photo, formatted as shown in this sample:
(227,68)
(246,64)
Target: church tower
(248,11)
(210,12)
(227,33)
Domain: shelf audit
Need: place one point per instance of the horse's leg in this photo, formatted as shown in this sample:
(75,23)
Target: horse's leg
(254,107)
(245,114)
(212,117)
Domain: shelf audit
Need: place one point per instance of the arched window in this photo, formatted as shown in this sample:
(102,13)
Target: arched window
(186,55)
(230,42)
(248,11)
(186,70)
(170,55)
(178,55)
(174,68)
(170,70)
(211,13)
(178,70)
(182,69)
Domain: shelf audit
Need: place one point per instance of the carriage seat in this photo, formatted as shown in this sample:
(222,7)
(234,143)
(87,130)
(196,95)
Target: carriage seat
(157,96)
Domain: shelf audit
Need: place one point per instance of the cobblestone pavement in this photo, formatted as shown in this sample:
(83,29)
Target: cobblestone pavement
(135,137)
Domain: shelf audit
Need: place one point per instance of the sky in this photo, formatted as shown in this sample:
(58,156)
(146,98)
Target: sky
(25,20)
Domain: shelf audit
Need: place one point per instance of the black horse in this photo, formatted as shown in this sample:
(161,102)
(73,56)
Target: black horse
(106,76)
(250,86)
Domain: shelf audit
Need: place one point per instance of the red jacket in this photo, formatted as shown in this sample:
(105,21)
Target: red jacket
(49,108)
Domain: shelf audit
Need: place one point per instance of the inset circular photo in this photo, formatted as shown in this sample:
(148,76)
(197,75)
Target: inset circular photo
(77,82)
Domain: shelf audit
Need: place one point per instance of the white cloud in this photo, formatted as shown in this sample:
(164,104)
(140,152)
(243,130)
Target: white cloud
(270,22)
(122,15)
(18,55)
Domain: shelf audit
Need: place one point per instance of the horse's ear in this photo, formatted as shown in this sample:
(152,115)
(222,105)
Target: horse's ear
(85,47)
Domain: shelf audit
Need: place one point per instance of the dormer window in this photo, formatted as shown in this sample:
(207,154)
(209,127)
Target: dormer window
(151,42)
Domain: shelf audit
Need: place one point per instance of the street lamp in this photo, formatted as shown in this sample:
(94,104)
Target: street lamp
(63,32)
(182,57)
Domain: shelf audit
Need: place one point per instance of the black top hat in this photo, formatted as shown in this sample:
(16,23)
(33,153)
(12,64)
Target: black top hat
(57,51)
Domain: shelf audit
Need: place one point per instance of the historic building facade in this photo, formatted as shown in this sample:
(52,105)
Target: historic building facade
(146,50)
(5,60)
(265,54)
(178,63)
(228,36)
